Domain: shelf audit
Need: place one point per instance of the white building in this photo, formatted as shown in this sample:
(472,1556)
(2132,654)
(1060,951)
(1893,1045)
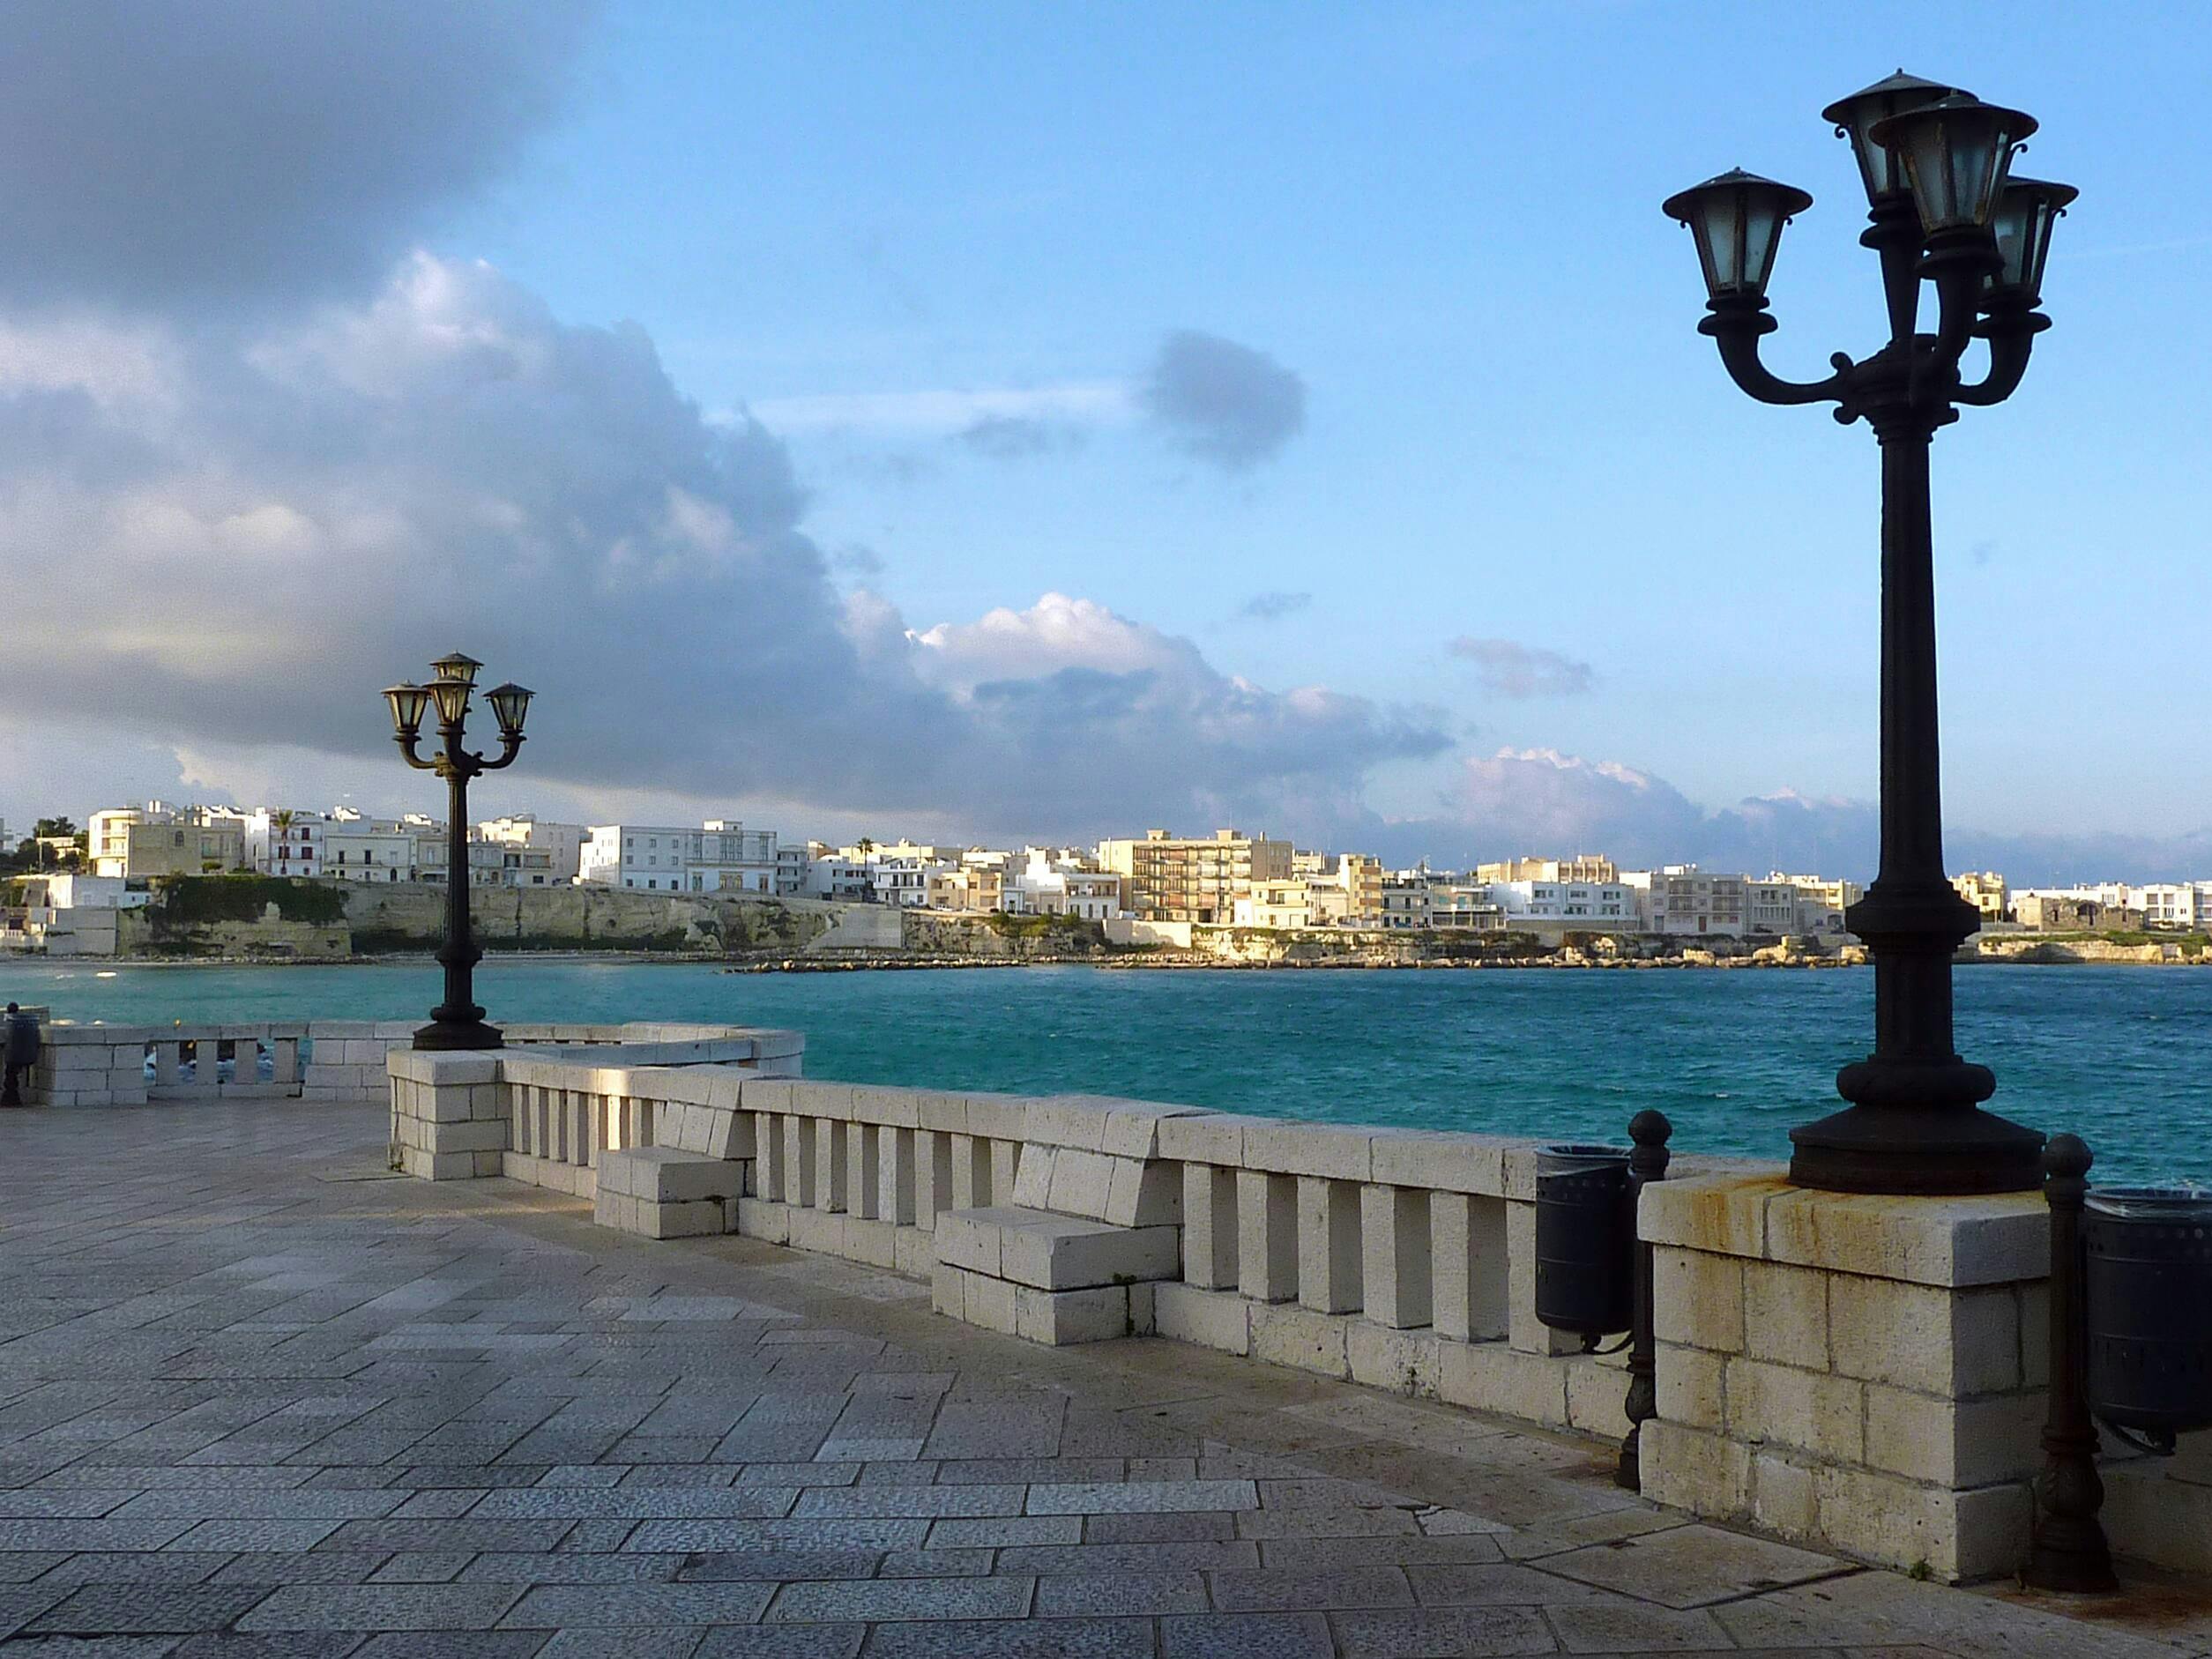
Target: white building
(1601,906)
(721,856)
(380,850)
(1052,881)
(902,881)
(562,843)
(280,841)
(833,876)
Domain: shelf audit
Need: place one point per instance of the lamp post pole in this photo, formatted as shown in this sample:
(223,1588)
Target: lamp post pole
(1945,211)
(457,1022)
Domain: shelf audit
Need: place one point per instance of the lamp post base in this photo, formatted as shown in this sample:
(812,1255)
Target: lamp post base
(1917,1151)
(446,1035)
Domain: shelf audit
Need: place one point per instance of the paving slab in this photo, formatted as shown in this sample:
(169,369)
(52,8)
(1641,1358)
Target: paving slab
(247,1412)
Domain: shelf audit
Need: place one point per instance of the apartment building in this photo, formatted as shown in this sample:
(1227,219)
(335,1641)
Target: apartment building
(365,849)
(1406,901)
(903,881)
(562,843)
(1167,878)
(1464,907)
(138,843)
(964,887)
(1680,899)
(721,856)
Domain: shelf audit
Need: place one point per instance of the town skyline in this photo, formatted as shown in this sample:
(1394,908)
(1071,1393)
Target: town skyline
(946,499)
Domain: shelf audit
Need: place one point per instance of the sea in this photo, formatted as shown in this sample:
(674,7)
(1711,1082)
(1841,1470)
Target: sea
(2119,1055)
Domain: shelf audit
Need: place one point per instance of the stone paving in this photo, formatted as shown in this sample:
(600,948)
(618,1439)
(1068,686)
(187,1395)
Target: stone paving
(259,1398)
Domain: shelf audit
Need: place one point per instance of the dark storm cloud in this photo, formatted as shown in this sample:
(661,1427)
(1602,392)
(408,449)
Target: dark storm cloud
(153,151)
(1223,402)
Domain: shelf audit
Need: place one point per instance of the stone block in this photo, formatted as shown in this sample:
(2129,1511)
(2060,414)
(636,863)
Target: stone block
(820,1231)
(1145,1193)
(1133,1130)
(970,1239)
(1066,1120)
(863,1169)
(1901,1523)
(971,1172)
(1697,1299)
(1684,1467)
(1472,1164)
(933,1176)
(1329,1246)
(1785,1315)
(912,1253)
(1267,1236)
(1784,1497)
(1003,1154)
(1954,1442)
(989,1304)
(1210,1225)
(686,1219)
(997,1117)
(940,1113)
(820,1100)
(1052,1252)
(1215,1137)
(1809,1411)
(1719,1215)
(896,1108)
(1498,1378)
(1950,1242)
(1033,1176)
(1597,1395)
(1467,1266)
(1081,1182)
(1218,1320)
(470,1137)
(1690,1388)
(1061,1319)
(948,1292)
(1300,1338)
(1402,1361)
(1326,1151)
(1394,1279)
(875,1242)
(664,1175)
(1919,1337)
(767,1094)
(895,1175)
(829,1163)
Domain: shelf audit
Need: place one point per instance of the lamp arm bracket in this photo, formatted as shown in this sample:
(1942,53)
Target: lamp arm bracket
(511,746)
(408,741)
(2011,341)
(1738,338)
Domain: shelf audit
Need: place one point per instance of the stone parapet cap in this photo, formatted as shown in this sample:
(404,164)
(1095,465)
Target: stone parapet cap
(1950,1243)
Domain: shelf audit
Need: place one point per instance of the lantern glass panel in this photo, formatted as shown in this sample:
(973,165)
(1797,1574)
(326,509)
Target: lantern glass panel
(1854,118)
(2025,218)
(1956,154)
(510,706)
(452,699)
(457,667)
(407,700)
(1736,221)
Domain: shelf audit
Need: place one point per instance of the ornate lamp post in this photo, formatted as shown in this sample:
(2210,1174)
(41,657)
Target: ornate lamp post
(1945,210)
(457,1022)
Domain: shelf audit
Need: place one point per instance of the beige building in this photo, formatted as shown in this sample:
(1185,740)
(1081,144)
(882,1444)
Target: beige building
(1165,878)
(1684,900)
(1985,890)
(137,843)
(966,887)
(1583,867)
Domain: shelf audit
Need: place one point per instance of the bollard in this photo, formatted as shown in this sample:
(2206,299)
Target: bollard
(2069,1551)
(1649,1130)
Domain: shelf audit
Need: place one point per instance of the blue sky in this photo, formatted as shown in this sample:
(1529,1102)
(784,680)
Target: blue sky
(867,227)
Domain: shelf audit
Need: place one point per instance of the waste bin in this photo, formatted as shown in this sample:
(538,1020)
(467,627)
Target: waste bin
(2148,1288)
(1585,1240)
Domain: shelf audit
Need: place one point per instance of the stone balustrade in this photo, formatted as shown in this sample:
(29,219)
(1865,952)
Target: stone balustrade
(1865,1374)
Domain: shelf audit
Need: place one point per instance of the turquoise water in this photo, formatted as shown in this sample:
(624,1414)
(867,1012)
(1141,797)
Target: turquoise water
(2118,1055)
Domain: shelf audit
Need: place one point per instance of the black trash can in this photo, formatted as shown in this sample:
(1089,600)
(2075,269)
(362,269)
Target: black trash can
(2149,1294)
(1585,1240)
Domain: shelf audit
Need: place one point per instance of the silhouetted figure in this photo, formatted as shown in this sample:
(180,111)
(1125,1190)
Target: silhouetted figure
(21,1052)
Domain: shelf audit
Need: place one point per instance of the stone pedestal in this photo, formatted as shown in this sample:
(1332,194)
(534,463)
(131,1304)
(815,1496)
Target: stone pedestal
(1864,1372)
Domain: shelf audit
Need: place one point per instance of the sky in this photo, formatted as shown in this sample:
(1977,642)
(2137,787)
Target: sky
(1013,422)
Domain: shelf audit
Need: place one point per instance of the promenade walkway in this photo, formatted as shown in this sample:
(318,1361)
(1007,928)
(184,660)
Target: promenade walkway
(259,1398)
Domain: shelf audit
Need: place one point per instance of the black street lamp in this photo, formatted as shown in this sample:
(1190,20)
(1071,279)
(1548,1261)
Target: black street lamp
(1945,210)
(457,1022)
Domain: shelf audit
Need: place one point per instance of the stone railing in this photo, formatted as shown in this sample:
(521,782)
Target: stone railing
(305,1059)
(1865,1374)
